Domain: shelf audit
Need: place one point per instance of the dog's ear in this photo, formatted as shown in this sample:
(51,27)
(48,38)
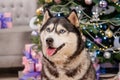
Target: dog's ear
(74,18)
(47,15)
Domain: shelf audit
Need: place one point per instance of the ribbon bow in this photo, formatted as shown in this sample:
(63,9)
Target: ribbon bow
(4,20)
(31,74)
(29,56)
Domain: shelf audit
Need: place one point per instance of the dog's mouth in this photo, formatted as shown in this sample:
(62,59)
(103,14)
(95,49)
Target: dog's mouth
(52,51)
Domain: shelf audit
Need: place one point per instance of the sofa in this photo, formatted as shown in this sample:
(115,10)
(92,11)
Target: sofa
(12,41)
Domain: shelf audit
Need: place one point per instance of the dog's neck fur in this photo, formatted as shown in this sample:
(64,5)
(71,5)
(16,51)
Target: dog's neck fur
(69,68)
(80,47)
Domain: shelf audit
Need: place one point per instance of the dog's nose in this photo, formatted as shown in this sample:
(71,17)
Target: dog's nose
(49,41)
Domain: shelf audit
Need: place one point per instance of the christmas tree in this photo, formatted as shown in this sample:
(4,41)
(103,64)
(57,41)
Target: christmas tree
(99,22)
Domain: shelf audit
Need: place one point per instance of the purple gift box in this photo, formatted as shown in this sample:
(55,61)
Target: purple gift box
(5,20)
(32,63)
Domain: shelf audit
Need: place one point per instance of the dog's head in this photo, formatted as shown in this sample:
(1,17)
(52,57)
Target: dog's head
(60,36)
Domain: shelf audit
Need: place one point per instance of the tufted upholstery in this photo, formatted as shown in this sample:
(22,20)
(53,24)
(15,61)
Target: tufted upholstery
(12,40)
(22,10)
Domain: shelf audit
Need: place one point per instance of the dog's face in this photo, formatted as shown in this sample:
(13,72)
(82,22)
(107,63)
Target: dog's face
(59,36)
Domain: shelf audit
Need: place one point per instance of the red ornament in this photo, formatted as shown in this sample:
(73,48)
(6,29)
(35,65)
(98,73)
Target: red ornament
(57,1)
(88,2)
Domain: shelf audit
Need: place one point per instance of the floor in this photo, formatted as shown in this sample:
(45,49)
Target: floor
(9,78)
(15,73)
(9,74)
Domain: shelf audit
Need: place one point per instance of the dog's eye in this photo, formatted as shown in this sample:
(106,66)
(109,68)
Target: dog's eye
(48,29)
(62,31)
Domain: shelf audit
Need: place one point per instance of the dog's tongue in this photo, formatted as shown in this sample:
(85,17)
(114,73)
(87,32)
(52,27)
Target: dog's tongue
(50,52)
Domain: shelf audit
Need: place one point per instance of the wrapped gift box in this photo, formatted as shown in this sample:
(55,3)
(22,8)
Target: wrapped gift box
(32,63)
(5,20)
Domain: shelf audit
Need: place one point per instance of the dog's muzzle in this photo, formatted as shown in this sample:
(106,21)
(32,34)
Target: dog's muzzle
(51,50)
(49,41)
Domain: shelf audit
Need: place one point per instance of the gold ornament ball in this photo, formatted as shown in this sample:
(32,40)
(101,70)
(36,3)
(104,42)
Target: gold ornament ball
(39,11)
(108,33)
(48,1)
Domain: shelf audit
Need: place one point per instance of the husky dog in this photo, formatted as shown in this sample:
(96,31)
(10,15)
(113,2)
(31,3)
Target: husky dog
(64,54)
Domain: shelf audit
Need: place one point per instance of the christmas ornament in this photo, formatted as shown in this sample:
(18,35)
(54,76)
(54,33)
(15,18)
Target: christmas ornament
(48,1)
(57,1)
(107,55)
(108,33)
(88,2)
(103,4)
(39,11)
(34,33)
(115,1)
(117,42)
(32,24)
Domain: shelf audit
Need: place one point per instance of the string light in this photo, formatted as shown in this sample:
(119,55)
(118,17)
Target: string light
(94,47)
(103,34)
(106,47)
